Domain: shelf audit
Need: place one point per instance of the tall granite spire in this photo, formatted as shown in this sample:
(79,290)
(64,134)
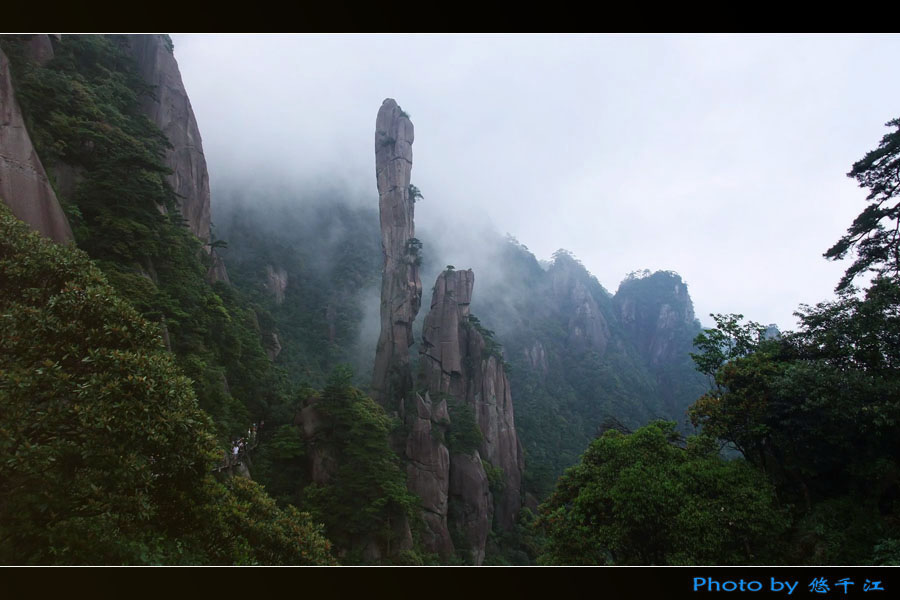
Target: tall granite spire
(459,367)
(460,364)
(401,289)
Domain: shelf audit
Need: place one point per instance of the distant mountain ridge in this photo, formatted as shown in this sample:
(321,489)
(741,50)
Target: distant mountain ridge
(126,179)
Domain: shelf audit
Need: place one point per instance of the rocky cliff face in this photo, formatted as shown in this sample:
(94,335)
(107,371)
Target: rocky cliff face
(401,289)
(460,365)
(217,271)
(460,371)
(428,467)
(588,328)
(426,456)
(657,313)
(536,357)
(24,185)
(39,48)
(171,111)
(276,282)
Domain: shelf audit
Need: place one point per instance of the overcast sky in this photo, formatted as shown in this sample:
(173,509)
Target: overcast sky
(720,157)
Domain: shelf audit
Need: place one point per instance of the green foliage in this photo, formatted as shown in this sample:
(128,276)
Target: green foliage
(415,194)
(728,340)
(105,457)
(642,499)
(83,111)
(366,499)
(877,247)
(518,546)
(565,384)
(463,435)
(331,253)
(817,410)
(887,552)
(281,463)
(491,346)
(414,251)
(245,522)
(496,477)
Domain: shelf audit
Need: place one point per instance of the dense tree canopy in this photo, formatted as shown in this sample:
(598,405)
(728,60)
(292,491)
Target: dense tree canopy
(83,111)
(817,411)
(814,414)
(643,499)
(365,502)
(105,457)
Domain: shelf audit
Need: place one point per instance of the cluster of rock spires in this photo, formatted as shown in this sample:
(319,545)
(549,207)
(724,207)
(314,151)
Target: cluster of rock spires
(465,491)
(457,373)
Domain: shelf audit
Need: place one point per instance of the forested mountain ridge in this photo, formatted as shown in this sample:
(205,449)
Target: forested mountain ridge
(813,414)
(265,340)
(107,458)
(581,358)
(83,98)
(86,103)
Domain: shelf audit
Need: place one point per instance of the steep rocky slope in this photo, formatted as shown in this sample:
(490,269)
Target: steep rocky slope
(170,109)
(24,185)
(462,394)
(401,289)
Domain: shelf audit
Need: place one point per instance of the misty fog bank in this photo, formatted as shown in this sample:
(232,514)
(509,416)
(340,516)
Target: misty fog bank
(719,157)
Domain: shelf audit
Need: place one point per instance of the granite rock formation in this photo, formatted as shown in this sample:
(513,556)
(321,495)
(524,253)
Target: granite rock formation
(170,109)
(657,312)
(471,506)
(272,346)
(276,282)
(401,289)
(537,357)
(24,185)
(588,328)
(460,363)
(657,315)
(428,467)
(39,49)
(217,271)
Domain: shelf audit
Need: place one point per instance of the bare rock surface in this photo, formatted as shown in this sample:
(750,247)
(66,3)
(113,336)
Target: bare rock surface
(428,469)
(276,282)
(473,507)
(24,186)
(456,365)
(39,49)
(401,288)
(273,346)
(587,327)
(171,111)
(459,363)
